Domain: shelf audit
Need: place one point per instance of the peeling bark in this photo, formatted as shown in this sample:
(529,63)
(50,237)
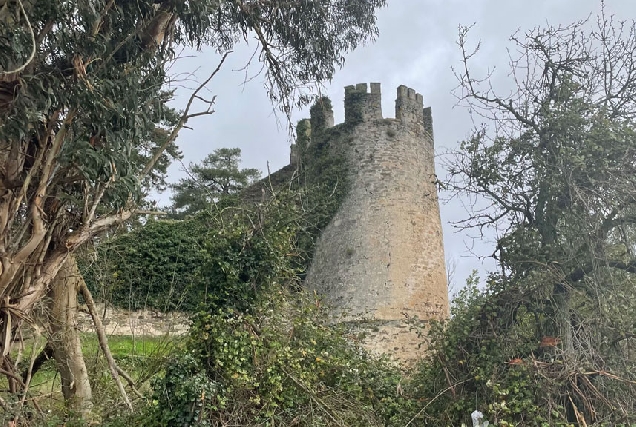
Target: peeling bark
(64,338)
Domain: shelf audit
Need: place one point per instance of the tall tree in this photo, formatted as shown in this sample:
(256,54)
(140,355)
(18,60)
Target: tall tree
(218,175)
(84,123)
(555,166)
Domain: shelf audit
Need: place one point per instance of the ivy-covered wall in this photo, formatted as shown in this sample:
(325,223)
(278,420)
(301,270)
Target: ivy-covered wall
(359,206)
(380,258)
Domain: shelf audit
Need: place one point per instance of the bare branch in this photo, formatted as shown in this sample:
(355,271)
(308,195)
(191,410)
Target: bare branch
(184,119)
(103,342)
(38,229)
(11,74)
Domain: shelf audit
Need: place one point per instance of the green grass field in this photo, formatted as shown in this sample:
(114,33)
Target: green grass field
(140,356)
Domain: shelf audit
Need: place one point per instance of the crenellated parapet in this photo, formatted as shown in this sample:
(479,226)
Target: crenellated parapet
(321,115)
(379,264)
(409,106)
(361,105)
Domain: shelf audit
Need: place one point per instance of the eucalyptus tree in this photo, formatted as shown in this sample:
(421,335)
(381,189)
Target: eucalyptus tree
(553,170)
(85,126)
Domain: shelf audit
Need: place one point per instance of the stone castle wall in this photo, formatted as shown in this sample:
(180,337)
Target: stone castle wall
(380,261)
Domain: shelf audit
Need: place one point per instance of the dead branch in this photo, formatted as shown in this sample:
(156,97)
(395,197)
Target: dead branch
(451,387)
(30,371)
(322,405)
(103,343)
(184,119)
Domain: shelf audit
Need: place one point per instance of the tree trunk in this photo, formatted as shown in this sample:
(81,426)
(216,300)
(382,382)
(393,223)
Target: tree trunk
(564,321)
(65,339)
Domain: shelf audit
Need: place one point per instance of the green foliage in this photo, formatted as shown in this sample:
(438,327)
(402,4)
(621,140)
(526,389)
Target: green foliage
(261,352)
(143,357)
(278,365)
(545,343)
(481,359)
(217,258)
(323,178)
(88,102)
(217,176)
(248,249)
(119,109)
(310,37)
(155,266)
(181,394)
(85,129)
(303,136)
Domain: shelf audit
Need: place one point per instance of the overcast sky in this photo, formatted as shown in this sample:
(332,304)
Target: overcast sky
(416,47)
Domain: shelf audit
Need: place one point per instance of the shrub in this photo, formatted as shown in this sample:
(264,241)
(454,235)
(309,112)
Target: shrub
(487,357)
(278,365)
(155,266)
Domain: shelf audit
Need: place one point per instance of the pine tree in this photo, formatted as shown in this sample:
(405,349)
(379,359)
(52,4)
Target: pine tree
(216,177)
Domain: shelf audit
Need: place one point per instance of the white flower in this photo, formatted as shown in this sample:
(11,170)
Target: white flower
(477,417)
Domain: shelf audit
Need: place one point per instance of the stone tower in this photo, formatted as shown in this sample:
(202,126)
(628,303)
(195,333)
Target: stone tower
(380,261)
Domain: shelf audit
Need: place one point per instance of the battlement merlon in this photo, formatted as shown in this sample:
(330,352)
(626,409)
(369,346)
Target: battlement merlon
(428,122)
(321,115)
(409,106)
(360,105)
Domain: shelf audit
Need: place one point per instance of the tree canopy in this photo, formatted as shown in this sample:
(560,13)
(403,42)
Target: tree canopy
(217,176)
(85,126)
(553,169)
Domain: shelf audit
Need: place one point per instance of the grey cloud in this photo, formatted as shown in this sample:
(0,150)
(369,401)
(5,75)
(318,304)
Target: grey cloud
(416,47)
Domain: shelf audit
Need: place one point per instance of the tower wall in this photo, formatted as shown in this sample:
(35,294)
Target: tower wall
(380,262)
